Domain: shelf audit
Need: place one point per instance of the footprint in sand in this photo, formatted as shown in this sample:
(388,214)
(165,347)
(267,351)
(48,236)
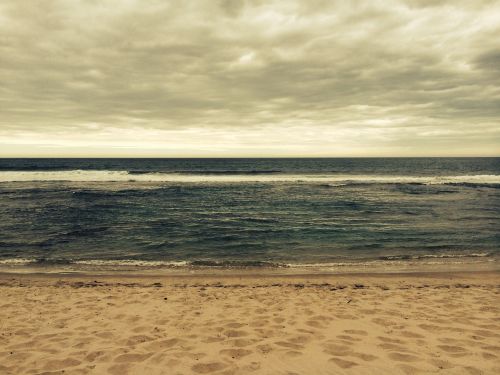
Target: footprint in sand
(265,333)
(18,357)
(140,329)
(384,322)
(173,363)
(431,327)
(390,346)
(390,339)
(259,323)
(236,353)
(403,357)
(347,316)
(365,357)
(92,356)
(163,344)
(411,334)
(105,335)
(473,371)
(492,348)
(348,338)
(342,363)
(209,367)
(265,348)
(301,339)
(337,350)
(449,340)
(133,357)
(211,339)
(240,343)
(488,356)
(441,364)
(60,364)
(120,369)
(235,333)
(253,366)
(452,349)
(318,321)
(138,339)
(356,332)
(315,324)
(485,333)
(409,370)
(290,345)
(491,327)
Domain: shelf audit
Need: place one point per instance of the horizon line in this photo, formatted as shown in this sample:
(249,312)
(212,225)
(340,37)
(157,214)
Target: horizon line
(250,157)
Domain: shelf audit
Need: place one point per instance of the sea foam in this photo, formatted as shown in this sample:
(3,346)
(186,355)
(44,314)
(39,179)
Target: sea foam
(336,179)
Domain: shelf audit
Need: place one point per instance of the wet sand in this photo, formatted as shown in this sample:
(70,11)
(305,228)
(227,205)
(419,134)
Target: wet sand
(421,323)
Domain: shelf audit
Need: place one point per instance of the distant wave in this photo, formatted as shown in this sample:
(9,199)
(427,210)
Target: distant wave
(208,172)
(35,168)
(242,176)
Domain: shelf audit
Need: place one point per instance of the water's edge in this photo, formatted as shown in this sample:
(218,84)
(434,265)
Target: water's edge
(228,268)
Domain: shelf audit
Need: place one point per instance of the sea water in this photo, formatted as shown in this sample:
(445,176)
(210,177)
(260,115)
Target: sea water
(248,212)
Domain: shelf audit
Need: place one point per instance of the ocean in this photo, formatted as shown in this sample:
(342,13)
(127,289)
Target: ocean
(248,212)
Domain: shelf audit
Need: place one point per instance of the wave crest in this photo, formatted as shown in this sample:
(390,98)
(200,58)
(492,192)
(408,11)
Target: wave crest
(209,263)
(243,176)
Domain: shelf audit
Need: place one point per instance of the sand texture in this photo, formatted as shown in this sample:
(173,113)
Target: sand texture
(352,324)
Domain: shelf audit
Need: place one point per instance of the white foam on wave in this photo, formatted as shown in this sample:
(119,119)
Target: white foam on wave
(335,179)
(95,262)
(16,261)
(472,255)
(425,260)
(133,263)
(347,262)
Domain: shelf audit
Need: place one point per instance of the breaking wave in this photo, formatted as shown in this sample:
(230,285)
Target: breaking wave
(243,176)
(118,263)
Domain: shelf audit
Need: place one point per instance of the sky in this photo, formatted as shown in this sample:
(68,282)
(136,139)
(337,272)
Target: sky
(195,78)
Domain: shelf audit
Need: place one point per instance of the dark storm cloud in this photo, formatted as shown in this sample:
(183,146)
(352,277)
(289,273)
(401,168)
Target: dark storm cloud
(246,77)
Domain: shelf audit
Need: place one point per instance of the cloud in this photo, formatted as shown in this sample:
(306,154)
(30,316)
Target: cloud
(230,78)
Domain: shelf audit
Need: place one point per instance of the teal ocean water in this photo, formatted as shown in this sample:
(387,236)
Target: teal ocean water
(259,212)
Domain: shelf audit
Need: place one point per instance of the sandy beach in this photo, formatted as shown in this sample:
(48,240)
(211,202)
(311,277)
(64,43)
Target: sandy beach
(446,323)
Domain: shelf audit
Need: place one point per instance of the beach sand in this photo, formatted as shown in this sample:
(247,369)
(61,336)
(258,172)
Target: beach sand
(444,323)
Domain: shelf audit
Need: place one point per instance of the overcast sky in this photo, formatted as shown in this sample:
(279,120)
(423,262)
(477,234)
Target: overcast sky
(249,78)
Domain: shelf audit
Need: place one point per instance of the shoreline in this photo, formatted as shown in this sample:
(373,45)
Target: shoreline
(438,265)
(249,274)
(251,279)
